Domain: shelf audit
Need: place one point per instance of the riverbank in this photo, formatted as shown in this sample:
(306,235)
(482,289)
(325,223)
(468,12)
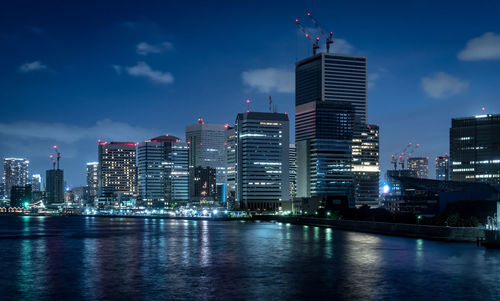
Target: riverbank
(449,234)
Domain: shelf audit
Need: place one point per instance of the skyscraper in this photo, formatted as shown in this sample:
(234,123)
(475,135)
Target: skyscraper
(162,171)
(54,188)
(36,182)
(207,149)
(420,165)
(443,168)
(331,108)
(262,163)
(117,168)
(231,168)
(366,169)
(16,173)
(292,154)
(93,178)
(475,149)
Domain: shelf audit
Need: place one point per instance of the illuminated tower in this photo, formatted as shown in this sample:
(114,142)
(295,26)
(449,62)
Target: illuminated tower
(16,173)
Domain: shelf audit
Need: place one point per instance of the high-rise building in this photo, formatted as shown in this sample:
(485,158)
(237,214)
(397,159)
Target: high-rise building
(16,173)
(420,165)
(231,168)
(162,171)
(443,168)
(54,188)
(117,172)
(36,182)
(331,108)
(475,149)
(207,149)
(366,169)
(262,163)
(93,178)
(203,185)
(292,155)
(323,137)
(20,195)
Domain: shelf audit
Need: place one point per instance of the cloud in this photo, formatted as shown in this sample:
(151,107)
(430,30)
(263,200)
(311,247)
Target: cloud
(143,70)
(441,85)
(372,78)
(31,67)
(485,47)
(342,46)
(60,132)
(118,69)
(144,48)
(270,79)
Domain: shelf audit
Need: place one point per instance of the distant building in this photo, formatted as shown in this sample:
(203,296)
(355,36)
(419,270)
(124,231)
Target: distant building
(54,188)
(93,178)
(16,173)
(475,149)
(36,182)
(203,186)
(443,168)
(292,155)
(392,175)
(420,165)
(262,162)
(365,165)
(117,171)
(20,195)
(162,171)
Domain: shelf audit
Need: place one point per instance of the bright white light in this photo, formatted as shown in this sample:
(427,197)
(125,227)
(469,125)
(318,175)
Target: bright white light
(205,211)
(386,188)
(215,211)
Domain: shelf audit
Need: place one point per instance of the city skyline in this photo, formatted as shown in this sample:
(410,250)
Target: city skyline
(75,85)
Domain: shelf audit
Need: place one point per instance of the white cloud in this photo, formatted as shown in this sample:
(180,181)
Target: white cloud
(270,79)
(60,132)
(118,69)
(441,85)
(372,78)
(342,46)
(485,47)
(144,48)
(31,67)
(143,70)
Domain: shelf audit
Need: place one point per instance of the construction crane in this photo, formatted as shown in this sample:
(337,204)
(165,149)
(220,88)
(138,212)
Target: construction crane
(396,158)
(315,43)
(328,38)
(412,151)
(53,161)
(58,155)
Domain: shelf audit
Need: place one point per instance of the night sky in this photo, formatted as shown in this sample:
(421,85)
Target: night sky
(72,72)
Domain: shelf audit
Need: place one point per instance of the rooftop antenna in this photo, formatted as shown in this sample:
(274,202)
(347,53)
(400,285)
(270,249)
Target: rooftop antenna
(315,44)
(248,105)
(53,161)
(270,102)
(328,38)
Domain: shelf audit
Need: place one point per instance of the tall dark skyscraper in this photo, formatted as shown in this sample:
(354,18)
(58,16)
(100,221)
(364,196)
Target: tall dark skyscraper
(54,189)
(331,109)
(262,171)
(475,149)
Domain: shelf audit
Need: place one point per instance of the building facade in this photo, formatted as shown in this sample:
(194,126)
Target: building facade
(36,182)
(162,171)
(475,149)
(93,178)
(331,108)
(365,165)
(420,165)
(207,149)
(292,155)
(262,162)
(16,173)
(117,171)
(54,188)
(443,168)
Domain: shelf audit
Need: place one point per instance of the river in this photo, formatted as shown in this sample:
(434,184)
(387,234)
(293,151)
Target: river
(95,258)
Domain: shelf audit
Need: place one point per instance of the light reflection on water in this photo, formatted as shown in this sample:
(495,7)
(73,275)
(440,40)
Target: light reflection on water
(109,258)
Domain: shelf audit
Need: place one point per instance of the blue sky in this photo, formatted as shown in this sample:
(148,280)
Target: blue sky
(72,72)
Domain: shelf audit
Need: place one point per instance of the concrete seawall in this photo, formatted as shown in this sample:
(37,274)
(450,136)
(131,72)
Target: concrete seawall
(452,234)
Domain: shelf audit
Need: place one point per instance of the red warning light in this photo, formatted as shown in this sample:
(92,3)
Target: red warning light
(483,109)
(55,146)
(297,20)
(308,14)
(248,100)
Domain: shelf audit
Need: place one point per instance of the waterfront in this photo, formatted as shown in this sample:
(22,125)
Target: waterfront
(107,258)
